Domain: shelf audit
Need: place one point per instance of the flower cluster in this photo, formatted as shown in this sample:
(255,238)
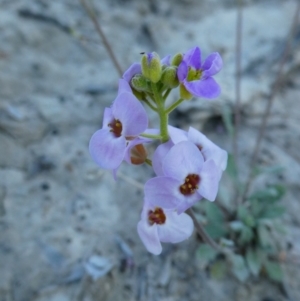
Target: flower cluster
(188,166)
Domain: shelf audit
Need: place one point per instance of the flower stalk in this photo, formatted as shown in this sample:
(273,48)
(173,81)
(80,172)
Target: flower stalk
(163,116)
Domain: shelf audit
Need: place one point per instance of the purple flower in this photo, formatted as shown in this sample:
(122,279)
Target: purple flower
(186,178)
(208,149)
(162,225)
(125,120)
(197,77)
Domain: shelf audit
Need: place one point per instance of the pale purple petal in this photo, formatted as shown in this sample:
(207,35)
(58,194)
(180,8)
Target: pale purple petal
(163,192)
(207,88)
(212,65)
(166,60)
(183,159)
(208,148)
(124,86)
(176,228)
(209,180)
(107,118)
(107,150)
(182,71)
(131,113)
(198,138)
(188,203)
(134,69)
(218,155)
(177,135)
(149,237)
(159,156)
(152,131)
(193,58)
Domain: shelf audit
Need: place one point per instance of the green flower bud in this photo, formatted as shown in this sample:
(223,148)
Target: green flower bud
(151,67)
(184,93)
(169,77)
(139,95)
(177,59)
(140,83)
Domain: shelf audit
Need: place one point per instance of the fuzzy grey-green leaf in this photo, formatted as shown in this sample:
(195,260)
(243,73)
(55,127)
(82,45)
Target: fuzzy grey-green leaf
(239,267)
(254,261)
(274,271)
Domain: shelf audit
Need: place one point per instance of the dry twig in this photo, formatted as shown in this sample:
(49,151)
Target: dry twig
(99,30)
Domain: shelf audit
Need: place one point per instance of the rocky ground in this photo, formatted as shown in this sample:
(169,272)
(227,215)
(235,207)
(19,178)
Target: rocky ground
(68,230)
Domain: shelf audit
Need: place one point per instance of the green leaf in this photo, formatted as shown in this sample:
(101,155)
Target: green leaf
(246,235)
(274,271)
(218,269)
(236,226)
(224,242)
(265,238)
(215,224)
(273,212)
(272,193)
(257,207)
(245,216)
(205,254)
(239,267)
(216,230)
(213,212)
(254,261)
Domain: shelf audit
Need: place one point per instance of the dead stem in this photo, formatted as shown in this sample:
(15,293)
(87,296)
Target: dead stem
(238,50)
(266,115)
(107,46)
(206,238)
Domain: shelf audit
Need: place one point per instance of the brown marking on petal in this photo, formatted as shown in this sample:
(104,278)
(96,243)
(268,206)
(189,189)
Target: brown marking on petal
(157,216)
(138,154)
(200,147)
(190,185)
(116,127)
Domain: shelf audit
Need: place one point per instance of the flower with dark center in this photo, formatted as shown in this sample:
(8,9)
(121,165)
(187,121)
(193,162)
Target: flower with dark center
(158,225)
(186,178)
(125,119)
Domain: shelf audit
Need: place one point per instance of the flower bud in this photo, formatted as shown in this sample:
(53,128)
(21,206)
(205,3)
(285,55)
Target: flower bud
(140,83)
(177,59)
(184,93)
(151,66)
(138,94)
(169,77)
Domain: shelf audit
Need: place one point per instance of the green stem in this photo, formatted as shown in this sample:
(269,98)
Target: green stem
(163,116)
(151,136)
(167,94)
(148,103)
(174,106)
(148,161)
